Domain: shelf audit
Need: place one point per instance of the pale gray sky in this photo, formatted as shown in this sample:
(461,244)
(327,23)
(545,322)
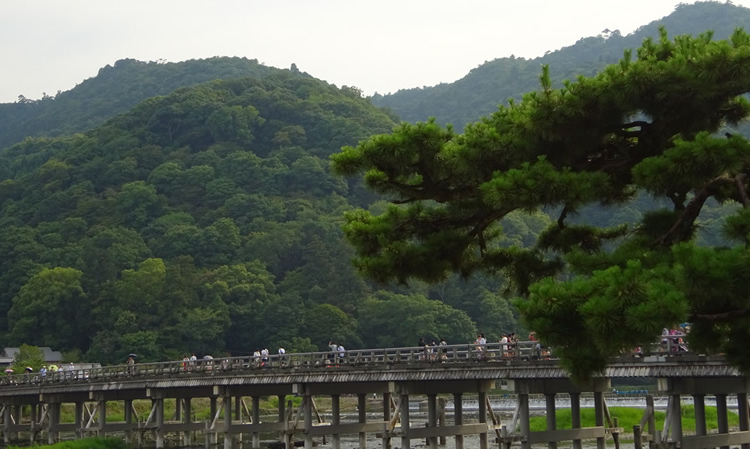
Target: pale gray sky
(378,45)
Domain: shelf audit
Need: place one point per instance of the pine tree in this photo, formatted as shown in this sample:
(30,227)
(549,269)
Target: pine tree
(651,124)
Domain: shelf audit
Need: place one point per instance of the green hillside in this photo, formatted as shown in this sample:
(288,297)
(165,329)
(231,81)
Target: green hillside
(207,221)
(495,82)
(114,90)
(151,213)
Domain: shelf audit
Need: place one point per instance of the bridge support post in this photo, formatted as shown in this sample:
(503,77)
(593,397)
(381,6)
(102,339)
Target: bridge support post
(307,408)
(128,415)
(742,411)
(676,425)
(524,417)
(336,420)
(575,416)
(599,417)
(386,443)
(362,415)
(285,434)
(549,399)
(159,416)
(699,405)
(33,416)
(79,406)
(213,437)
(53,435)
(6,423)
(102,418)
(188,420)
(721,415)
(256,420)
(227,404)
(458,417)
(483,418)
(432,418)
(18,414)
(238,416)
(441,419)
(404,414)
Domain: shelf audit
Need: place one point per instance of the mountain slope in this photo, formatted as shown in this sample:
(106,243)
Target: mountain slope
(493,83)
(114,90)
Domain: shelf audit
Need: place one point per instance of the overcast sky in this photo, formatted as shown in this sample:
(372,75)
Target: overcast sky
(378,45)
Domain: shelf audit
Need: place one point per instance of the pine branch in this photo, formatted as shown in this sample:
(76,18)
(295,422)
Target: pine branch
(724,316)
(563,216)
(740,181)
(681,227)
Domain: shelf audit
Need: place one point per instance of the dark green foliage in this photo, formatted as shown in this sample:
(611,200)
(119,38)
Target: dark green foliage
(208,220)
(648,125)
(204,221)
(115,89)
(139,222)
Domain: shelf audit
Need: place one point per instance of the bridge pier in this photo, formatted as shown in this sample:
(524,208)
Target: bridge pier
(699,387)
(128,416)
(575,417)
(742,411)
(404,416)
(256,420)
(336,420)
(362,419)
(433,432)
(458,417)
(386,440)
(599,413)
(550,388)
(227,405)
(53,434)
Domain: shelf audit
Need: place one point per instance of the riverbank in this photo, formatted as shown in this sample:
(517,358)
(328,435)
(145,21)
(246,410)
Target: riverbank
(86,443)
(628,417)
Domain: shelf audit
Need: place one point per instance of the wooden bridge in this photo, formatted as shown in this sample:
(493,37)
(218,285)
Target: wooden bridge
(31,404)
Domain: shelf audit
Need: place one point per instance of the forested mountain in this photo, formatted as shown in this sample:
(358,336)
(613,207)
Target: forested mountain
(495,82)
(204,218)
(114,90)
(207,221)
(118,88)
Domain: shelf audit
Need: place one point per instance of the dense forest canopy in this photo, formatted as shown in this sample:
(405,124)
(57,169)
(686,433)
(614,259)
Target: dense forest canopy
(646,124)
(207,221)
(114,90)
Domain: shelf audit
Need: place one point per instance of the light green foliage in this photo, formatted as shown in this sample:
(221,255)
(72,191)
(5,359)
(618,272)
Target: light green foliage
(399,320)
(28,356)
(88,443)
(628,417)
(51,309)
(326,322)
(648,124)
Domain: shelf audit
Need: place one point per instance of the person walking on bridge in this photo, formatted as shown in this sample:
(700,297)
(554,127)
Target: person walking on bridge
(333,348)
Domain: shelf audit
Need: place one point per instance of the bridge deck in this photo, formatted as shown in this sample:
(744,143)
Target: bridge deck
(442,363)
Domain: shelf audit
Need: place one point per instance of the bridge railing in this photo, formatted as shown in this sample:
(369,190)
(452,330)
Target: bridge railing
(516,352)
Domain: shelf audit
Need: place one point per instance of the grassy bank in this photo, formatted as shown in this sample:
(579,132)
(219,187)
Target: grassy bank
(87,443)
(628,417)
(201,408)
